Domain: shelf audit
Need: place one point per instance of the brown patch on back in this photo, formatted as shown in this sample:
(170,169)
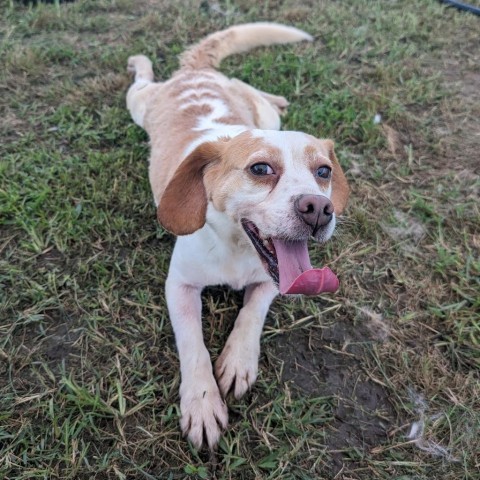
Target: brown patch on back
(197,110)
(229,120)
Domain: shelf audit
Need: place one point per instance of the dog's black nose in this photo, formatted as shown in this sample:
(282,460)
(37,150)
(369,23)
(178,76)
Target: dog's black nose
(314,210)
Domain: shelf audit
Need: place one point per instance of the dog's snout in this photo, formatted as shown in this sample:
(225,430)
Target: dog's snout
(314,210)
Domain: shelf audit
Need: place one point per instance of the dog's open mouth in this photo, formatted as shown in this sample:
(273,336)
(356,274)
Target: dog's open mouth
(288,263)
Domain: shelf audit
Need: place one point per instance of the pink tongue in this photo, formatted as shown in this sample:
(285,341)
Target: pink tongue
(296,273)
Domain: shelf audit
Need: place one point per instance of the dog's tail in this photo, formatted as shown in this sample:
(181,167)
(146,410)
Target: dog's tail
(209,52)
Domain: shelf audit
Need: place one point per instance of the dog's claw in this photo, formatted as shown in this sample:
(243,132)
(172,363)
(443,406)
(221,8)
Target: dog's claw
(204,417)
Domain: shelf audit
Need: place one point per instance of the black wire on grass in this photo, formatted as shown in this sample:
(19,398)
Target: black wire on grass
(462,6)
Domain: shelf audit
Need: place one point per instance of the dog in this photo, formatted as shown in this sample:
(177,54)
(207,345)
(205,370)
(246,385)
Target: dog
(242,197)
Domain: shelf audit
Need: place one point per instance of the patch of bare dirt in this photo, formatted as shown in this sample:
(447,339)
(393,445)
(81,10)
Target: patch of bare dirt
(326,362)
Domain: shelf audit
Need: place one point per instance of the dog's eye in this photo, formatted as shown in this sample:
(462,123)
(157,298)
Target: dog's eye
(260,169)
(324,172)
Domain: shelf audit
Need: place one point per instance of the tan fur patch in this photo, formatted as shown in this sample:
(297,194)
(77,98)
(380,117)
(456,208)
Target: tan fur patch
(236,156)
(315,158)
(197,110)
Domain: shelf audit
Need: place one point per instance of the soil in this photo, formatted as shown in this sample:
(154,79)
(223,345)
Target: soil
(325,362)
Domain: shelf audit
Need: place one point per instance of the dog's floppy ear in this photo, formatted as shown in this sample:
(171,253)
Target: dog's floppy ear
(340,188)
(183,206)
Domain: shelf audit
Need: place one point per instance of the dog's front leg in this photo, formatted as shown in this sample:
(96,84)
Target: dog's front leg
(237,367)
(203,410)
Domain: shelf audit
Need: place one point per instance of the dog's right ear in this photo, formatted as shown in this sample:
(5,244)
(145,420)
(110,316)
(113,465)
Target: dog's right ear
(183,207)
(340,188)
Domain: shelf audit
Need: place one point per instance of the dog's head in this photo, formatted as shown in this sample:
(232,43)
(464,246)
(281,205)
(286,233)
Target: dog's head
(281,187)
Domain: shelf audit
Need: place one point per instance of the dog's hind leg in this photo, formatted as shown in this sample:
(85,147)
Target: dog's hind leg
(141,66)
(267,108)
(278,102)
(140,92)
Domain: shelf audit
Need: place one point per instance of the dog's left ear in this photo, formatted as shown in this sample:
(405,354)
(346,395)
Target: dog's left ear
(183,207)
(340,188)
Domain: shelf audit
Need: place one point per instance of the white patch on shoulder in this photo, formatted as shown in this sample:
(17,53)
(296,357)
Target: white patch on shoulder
(209,125)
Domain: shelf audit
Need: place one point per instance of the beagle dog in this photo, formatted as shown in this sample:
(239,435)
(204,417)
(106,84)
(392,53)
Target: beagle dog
(242,197)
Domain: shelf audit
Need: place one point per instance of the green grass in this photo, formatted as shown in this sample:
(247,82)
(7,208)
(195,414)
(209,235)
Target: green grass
(89,374)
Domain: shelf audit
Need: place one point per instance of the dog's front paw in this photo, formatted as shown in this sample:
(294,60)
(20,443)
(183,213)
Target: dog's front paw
(204,414)
(237,367)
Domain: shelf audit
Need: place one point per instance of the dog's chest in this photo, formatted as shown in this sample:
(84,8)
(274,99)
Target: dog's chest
(207,259)
(237,265)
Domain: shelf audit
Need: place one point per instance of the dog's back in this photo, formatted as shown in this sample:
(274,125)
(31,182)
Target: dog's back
(198,103)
